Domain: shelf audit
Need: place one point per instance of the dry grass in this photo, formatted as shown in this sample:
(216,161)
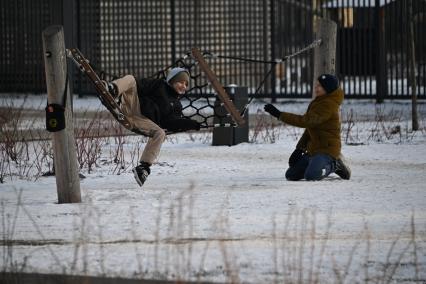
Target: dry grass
(301,251)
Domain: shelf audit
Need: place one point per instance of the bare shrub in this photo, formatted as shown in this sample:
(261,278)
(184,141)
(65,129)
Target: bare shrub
(89,142)
(136,151)
(13,145)
(44,158)
(9,130)
(205,137)
(264,129)
(118,154)
(383,126)
(347,128)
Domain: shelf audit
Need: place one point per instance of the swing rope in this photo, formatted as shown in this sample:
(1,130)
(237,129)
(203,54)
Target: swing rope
(312,45)
(183,62)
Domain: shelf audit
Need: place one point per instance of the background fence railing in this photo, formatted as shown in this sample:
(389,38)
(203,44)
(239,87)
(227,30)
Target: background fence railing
(143,37)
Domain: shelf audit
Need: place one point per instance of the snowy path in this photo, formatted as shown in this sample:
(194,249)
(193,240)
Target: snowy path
(208,210)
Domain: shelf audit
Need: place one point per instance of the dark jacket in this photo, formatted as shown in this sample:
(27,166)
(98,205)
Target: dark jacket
(322,123)
(160,103)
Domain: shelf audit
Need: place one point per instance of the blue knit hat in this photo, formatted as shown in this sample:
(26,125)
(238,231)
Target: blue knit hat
(176,74)
(329,82)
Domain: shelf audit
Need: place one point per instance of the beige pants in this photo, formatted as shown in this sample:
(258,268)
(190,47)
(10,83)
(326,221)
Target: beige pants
(131,108)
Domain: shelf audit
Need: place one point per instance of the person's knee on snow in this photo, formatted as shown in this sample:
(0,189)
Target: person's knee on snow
(313,174)
(320,166)
(292,175)
(297,168)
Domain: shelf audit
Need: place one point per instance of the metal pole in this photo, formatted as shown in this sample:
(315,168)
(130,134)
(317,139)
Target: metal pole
(274,72)
(381,83)
(173,29)
(68,10)
(65,158)
(412,51)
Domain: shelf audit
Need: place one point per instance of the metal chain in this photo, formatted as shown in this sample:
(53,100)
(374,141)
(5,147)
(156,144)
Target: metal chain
(314,44)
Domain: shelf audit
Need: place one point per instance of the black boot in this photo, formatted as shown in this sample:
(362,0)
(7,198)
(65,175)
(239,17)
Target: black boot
(141,172)
(342,168)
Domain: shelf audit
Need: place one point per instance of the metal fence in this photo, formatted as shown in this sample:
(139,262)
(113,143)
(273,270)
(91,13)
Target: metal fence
(141,37)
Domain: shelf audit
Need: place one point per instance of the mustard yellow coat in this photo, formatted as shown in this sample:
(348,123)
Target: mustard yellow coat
(322,123)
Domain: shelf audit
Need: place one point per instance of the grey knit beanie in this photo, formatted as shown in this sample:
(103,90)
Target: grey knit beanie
(177,74)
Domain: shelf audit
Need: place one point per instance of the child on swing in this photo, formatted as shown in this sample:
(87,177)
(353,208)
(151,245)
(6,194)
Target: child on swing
(153,106)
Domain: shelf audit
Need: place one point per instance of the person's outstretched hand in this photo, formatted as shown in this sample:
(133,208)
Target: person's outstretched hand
(272,110)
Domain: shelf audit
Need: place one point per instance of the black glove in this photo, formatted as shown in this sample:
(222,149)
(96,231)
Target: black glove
(181,124)
(196,125)
(272,110)
(295,157)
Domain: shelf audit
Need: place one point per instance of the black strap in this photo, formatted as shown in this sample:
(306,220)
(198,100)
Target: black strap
(65,91)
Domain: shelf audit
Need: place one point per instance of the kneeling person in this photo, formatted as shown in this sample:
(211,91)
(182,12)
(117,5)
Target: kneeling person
(317,153)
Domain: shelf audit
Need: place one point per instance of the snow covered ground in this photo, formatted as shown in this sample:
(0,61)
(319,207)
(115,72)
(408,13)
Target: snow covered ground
(227,214)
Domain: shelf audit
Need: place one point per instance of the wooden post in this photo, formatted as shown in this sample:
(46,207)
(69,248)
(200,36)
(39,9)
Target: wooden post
(64,152)
(325,54)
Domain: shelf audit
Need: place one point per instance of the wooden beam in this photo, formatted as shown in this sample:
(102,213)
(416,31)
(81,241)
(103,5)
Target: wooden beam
(217,86)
